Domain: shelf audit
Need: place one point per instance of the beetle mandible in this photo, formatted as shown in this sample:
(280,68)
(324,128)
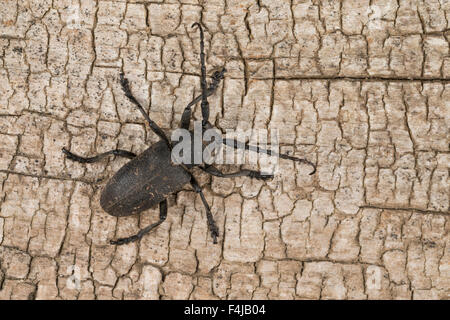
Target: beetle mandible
(150,177)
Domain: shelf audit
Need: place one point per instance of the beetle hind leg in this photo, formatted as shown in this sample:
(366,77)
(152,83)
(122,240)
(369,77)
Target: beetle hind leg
(211,223)
(143,232)
(116,152)
(242,173)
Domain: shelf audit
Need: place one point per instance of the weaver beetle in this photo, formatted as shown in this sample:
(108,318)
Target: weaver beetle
(151,176)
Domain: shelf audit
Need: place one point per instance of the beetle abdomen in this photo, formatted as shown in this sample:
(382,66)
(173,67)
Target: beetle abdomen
(143,182)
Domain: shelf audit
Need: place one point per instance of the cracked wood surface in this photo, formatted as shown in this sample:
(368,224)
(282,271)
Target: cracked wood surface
(359,87)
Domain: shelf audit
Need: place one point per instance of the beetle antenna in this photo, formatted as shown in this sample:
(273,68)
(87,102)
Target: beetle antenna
(205,104)
(245,146)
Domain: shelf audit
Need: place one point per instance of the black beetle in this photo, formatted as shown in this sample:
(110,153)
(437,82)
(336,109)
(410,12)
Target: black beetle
(150,177)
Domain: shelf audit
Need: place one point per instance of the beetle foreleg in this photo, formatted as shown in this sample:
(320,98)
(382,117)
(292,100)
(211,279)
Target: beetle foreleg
(186,116)
(116,152)
(155,128)
(211,223)
(143,232)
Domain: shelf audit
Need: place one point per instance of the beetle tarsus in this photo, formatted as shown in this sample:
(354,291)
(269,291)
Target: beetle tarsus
(214,235)
(218,75)
(126,88)
(138,236)
(77,158)
(243,173)
(260,176)
(116,152)
(211,223)
(123,241)
(143,232)
(69,154)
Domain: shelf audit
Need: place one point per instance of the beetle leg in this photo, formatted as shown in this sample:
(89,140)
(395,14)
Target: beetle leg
(211,223)
(186,116)
(240,145)
(143,232)
(155,128)
(243,173)
(116,152)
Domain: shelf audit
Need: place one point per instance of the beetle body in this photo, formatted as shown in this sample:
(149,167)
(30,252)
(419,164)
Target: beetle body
(143,182)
